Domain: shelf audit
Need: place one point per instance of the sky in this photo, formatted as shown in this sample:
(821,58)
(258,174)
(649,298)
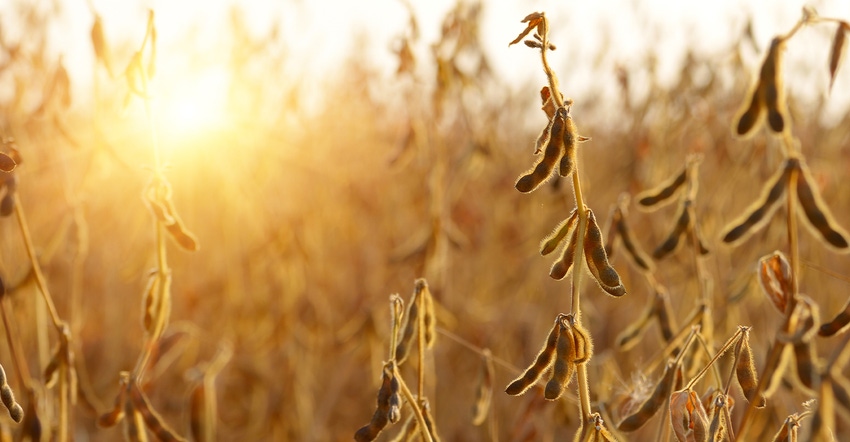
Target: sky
(318,34)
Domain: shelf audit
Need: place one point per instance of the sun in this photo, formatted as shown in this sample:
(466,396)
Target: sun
(194,105)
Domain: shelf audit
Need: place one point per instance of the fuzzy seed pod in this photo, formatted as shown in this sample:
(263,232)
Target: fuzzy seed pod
(429,318)
(541,363)
(380,418)
(16,412)
(562,266)
(597,260)
(745,369)
(541,172)
(568,161)
(402,350)
(653,403)
(565,356)
(551,241)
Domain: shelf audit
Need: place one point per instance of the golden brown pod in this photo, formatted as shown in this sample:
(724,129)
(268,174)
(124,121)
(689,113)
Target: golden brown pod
(770,78)
(651,405)
(541,363)
(745,369)
(568,160)
(837,50)
(654,197)
(838,323)
(380,418)
(565,356)
(759,213)
(597,260)
(818,217)
(541,172)
(563,265)
(551,241)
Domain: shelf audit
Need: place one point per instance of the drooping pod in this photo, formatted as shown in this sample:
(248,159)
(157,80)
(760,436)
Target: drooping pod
(818,218)
(551,241)
(745,369)
(541,171)
(543,361)
(651,405)
(654,198)
(597,259)
(565,355)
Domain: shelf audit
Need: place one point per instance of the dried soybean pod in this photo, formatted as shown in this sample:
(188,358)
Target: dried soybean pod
(817,214)
(783,435)
(394,412)
(429,318)
(565,355)
(551,241)
(750,117)
(838,323)
(562,266)
(770,79)
(631,334)
(757,214)
(429,419)
(672,242)
(837,50)
(661,308)
(638,256)
(654,197)
(404,345)
(534,20)
(112,417)
(541,172)
(568,161)
(745,369)
(804,355)
(182,236)
(597,260)
(484,391)
(541,363)
(653,403)
(381,416)
(153,421)
(718,421)
(16,412)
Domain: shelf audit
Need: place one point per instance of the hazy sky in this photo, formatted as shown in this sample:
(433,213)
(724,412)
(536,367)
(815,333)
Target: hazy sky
(318,33)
